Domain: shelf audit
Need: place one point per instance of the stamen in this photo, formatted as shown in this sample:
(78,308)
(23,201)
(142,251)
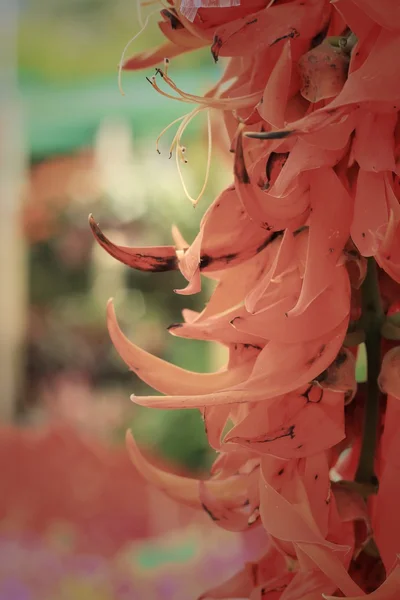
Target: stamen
(122,60)
(139,13)
(208,101)
(166,63)
(166,129)
(177,138)
(170,96)
(204,103)
(194,201)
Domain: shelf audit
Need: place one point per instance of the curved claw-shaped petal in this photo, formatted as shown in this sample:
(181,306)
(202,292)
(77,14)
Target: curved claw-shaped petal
(332,210)
(164,376)
(152,258)
(182,489)
(218,329)
(279,369)
(231,491)
(326,312)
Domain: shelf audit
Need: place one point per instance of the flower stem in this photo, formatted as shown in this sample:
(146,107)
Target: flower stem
(372,319)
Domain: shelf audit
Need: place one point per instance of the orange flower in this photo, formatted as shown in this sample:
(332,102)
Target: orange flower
(310,99)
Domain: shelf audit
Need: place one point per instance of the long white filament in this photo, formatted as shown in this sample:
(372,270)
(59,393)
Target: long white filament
(194,201)
(143,25)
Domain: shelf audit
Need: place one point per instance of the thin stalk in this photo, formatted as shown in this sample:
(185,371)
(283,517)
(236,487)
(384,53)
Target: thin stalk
(372,319)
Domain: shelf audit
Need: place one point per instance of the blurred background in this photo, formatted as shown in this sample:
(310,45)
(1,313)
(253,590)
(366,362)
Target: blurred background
(76,521)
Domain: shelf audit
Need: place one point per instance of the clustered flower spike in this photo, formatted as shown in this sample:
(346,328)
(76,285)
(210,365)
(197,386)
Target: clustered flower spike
(304,247)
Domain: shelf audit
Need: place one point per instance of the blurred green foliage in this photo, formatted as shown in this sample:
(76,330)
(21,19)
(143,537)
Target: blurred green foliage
(84,39)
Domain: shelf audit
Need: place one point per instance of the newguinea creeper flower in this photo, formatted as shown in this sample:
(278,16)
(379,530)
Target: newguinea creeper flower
(301,248)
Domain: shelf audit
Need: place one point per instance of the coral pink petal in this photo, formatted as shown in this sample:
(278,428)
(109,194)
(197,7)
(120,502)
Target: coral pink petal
(250,202)
(263,209)
(323,314)
(166,377)
(229,463)
(332,210)
(155,259)
(310,422)
(389,589)
(281,258)
(308,585)
(179,488)
(279,368)
(285,521)
(376,79)
(332,566)
(184,489)
(239,353)
(318,486)
(218,329)
(151,58)
(355,18)
(235,283)
(303,157)
(227,238)
(273,588)
(373,146)
(386,13)
(388,257)
(215,419)
(269,26)
(224,516)
(334,136)
(193,287)
(190,316)
(370,212)
(386,529)
(179,36)
(189,266)
(272,107)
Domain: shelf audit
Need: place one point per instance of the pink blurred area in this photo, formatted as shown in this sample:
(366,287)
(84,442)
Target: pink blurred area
(59,482)
(77,522)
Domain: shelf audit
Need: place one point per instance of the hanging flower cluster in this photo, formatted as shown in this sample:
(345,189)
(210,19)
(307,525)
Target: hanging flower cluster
(304,248)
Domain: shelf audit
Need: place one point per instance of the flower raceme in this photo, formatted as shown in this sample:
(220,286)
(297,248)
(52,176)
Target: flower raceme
(304,251)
